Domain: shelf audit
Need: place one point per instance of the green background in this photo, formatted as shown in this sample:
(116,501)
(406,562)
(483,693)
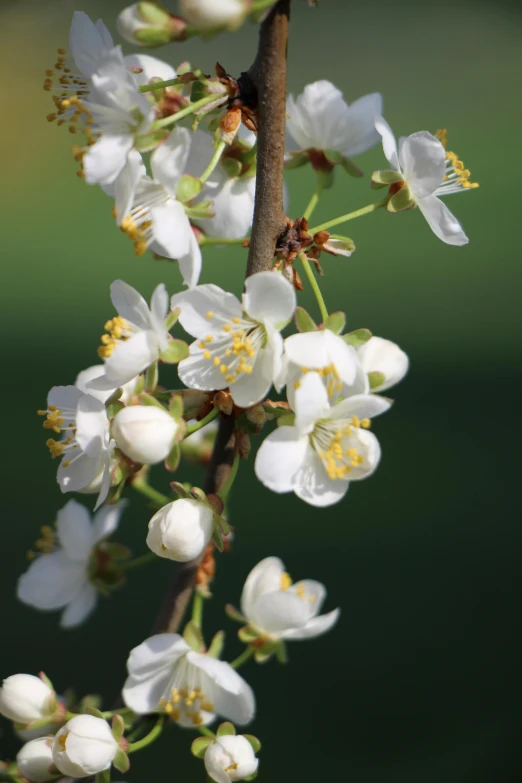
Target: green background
(421,679)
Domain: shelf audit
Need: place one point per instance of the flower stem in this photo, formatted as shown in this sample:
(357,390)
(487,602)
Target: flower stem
(160,85)
(215,160)
(199,424)
(223,493)
(150,737)
(145,559)
(206,732)
(190,109)
(349,216)
(260,5)
(244,657)
(315,285)
(197,609)
(122,711)
(142,485)
(313,201)
(221,241)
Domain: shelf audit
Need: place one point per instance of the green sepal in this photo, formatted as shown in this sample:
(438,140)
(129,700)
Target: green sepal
(217,538)
(263,653)
(326,179)
(198,91)
(188,188)
(232,167)
(117,552)
(200,211)
(121,761)
(253,776)
(91,700)
(401,201)
(216,645)
(91,710)
(114,396)
(176,406)
(303,321)
(296,160)
(152,36)
(175,352)
(149,141)
(174,458)
(225,729)
(281,655)
(198,494)
(113,408)
(153,13)
(172,318)
(44,678)
(335,322)
(377,185)
(103,777)
(386,177)
(233,613)
(180,490)
(148,399)
(351,169)
(200,745)
(287,420)
(151,377)
(333,156)
(376,379)
(193,636)
(256,745)
(247,634)
(357,337)
(118,728)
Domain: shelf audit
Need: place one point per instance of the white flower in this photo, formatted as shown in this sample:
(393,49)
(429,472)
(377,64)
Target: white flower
(211,14)
(136,337)
(145,433)
(84,746)
(423,165)
(232,196)
(59,578)
(97,371)
(321,120)
(238,345)
(35,760)
(382,356)
(181,530)
(90,43)
(230,757)
(165,674)
(155,219)
(280,609)
(25,698)
(325,449)
(85,446)
(328,355)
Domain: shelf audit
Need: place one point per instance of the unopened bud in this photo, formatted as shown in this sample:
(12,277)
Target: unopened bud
(35,760)
(214,14)
(224,401)
(25,698)
(150,24)
(229,125)
(181,530)
(145,433)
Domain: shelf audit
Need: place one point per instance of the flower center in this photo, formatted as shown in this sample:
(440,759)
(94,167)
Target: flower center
(456,177)
(64,82)
(45,544)
(286,581)
(137,225)
(61,422)
(186,704)
(336,443)
(118,331)
(235,347)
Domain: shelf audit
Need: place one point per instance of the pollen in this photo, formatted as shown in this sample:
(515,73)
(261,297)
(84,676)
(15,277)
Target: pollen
(118,331)
(286,581)
(210,314)
(456,173)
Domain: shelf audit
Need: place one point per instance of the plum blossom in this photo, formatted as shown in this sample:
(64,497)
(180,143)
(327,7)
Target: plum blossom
(35,760)
(25,698)
(213,14)
(84,746)
(145,433)
(181,530)
(59,577)
(229,758)
(238,344)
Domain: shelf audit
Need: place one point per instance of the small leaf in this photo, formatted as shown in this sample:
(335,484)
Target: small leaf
(118,728)
(233,613)
(193,636)
(199,746)
(376,379)
(357,337)
(253,741)
(176,406)
(148,399)
(121,761)
(172,318)
(216,645)
(188,188)
(174,458)
(175,352)
(225,729)
(304,321)
(386,177)
(351,169)
(335,322)
(401,201)
(91,710)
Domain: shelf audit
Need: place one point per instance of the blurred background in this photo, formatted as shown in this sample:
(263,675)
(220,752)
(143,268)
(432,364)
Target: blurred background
(421,680)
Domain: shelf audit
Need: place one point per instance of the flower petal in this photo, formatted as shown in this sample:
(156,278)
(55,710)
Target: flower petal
(131,357)
(64,397)
(80,472)
(80,607)
(106,159)
(442,222)
(278,612)
(365,406)
(314,627)
(124,187)
(155,654)
(92,425)
(361,133)
(232,697)
(191,262)
(196,303)
(280,458)
(383,356)
(423,162)
(169,160)
(88,42)
(317,119)
(159,305)
(106,520)
(151,68)
(265,577)
(312,593)
(130,304)
(233,206)
(269,297)
(251,389)
(313,485)
(196,372)
(311,402)
(389,143)
(51,581)
(171,229)
(75,531)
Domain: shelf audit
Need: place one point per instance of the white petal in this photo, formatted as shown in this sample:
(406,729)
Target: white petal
(156,653)
(168,161)
(315,350)
(151,68)
(314,486)
(317,119)
(79,608)
(314,627)
(365,406)
(201,152)
(130,304)
(106,521)
(196,372)
(389,144)
(84,378)
(368,446)
(280,457)
(88,42)
(233,206)
(64,397)
(124,187)
(251,389)
(311,402)
(278,612)
(269,297)
(385,357)
(265,577)
(312,593)
(423,163)
(106,159)
(75,531)
(159,305)
(442,222)
(171,229)
(81,471)
(190,263)
(197,302)
(51,581)
(232,697)
(131,357)
(361,133)
(91,425)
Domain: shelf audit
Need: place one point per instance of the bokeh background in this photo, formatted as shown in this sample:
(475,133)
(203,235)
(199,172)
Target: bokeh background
(421,680)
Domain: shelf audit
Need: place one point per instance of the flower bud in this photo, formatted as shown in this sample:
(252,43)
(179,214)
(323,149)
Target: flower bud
(230,758)
(84,746)
(145,433)
(213,14)
(25,698)
(35,760)
(181,530)
(150,24)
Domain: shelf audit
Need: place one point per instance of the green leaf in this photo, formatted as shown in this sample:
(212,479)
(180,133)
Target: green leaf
(253,741)
(386,177)
(233,613)
(118,727)
(172,318)
(90,710)
(401,201)
(148,399)
(121,761)
(376,379)
(193,636)
(351,169)
(188,188)
(357,337)
(225,729)
(216,645)
(335,322)
(304,321)
(199,746)
(176,406)
(172,461)
(175,352)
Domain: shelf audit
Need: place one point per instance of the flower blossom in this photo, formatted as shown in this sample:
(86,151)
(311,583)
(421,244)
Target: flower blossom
(325,449)
(213,14)
(422,171)
(229,758)
(35,760)
(181,530)
(25,698)
(59,578)
(238,345)
(166,675)
(145,433)
(84,746)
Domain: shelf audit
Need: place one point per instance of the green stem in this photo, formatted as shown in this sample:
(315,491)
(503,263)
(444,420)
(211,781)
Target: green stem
(142,485)
(227,486)
(199,424)
(206,732)
(122,711)
(260,5)
(138,562)
(349,216)
(314,284)
(150,737)
(160,85)
(313,201)
(215,160)
(197,609)
(244,657)
(190,109)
